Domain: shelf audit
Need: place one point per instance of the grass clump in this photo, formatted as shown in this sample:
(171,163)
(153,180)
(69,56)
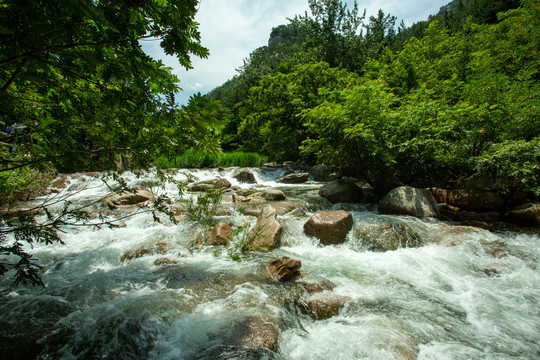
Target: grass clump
(204,159)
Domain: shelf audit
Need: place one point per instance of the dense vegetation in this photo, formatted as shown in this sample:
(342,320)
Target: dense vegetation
(458,99)
(77,92)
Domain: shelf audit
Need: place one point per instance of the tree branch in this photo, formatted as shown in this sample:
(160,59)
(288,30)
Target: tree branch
(70,46)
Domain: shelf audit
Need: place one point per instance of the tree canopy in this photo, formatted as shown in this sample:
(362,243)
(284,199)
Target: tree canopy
(459,99)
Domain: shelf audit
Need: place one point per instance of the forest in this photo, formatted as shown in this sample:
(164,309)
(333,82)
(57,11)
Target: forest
(447,99)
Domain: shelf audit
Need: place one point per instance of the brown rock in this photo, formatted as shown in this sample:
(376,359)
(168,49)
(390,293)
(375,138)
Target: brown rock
(165,261)
(283,269)
(61,183)
(139,195)
(315,284)
(469,199)
(160,247)
(245,176)
(222,233)
(274,195)
(329,226)
(256,332)
(323,305)
(526,215)
(267,232)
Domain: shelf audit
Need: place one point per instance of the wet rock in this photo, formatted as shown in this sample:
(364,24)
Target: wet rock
(341,191)
(267,232)
(315,284)
(138,196)
(245,176)
(274,195)
(165,261)
(525,215)
(388,237)
(329,226)
(322,173)
(257,332)
(229,352)
(255,209)
(406,200)
(470,199)
(323,305)
(177,213)
(211,185)
(246,192)
(160,247)
(61,183)
(222,234)
(294,178)
(283,269)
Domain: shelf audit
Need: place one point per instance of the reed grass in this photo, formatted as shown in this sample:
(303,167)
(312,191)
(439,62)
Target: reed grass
(192,159)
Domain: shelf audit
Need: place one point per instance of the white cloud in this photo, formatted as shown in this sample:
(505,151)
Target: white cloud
(232,29)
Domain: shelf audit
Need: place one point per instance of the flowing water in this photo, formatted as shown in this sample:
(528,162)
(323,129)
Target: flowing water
(466,293)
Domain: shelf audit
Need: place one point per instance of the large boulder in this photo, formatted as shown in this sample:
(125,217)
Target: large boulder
(388,237)
(526,215)
(245,176)
(137,196)
(322,172)
(221,234)
(295,178)
(283,269)
(470,199)
(211,185)
(329,226)
(406,200)
(267,232)
(341,191)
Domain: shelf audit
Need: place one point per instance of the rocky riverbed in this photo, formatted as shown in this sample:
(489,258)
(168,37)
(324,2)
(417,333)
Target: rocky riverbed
(287,268)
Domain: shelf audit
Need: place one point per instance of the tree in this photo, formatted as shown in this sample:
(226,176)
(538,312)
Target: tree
(74,79)
(332,33)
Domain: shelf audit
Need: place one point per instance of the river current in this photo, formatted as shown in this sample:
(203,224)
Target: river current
(467,293)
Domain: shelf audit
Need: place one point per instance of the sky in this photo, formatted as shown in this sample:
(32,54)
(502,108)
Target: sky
(232,29)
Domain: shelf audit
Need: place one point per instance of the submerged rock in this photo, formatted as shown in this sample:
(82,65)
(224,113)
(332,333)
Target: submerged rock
(329,226)
(283,269)
(341,191)
(160,247)
(294,178)
(406,200)
(388,237)
(267,232)
(323,305)
(315,284)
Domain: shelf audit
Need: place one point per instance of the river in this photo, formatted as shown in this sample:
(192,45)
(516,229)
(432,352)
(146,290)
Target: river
(467,293)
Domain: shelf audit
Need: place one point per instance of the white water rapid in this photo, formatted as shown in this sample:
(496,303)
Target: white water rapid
(467,293)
